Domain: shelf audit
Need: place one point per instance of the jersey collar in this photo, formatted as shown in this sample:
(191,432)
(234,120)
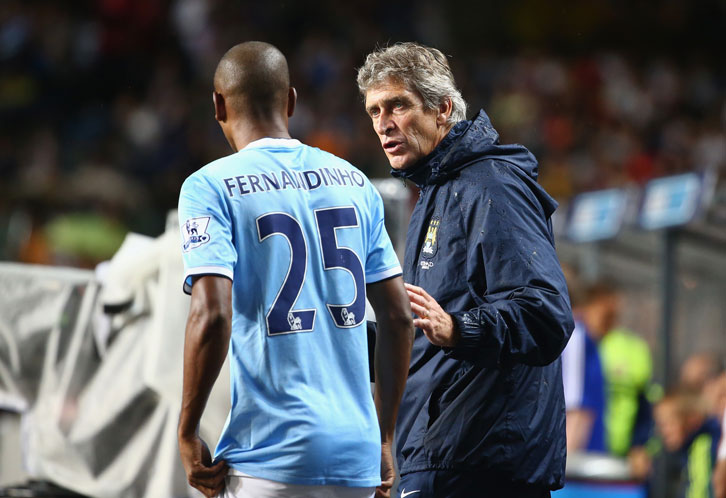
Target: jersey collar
(272,142)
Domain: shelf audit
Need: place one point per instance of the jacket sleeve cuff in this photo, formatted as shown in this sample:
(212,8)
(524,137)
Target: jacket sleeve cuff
(470,346)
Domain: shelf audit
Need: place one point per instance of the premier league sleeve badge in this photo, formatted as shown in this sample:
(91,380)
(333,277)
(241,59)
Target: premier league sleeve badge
(195,233)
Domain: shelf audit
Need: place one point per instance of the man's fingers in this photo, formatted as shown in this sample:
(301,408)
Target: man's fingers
(209,489)
(419,310)
(423,299)
(384,490)
(419,291)
(219,489)
(206,491)
(202,472)
(414,288)
(417,298)
(208,481)
(220,466)
(213,484)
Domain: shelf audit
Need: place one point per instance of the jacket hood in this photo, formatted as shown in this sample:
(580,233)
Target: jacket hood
(473,141)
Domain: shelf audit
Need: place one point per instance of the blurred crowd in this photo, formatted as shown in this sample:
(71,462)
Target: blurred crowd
(105,105)
(615,406)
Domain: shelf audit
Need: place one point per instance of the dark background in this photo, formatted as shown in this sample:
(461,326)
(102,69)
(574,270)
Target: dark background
(105,106)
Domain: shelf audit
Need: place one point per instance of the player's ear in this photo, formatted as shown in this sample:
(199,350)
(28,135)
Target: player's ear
(220,109)
(291,100)
(445,108)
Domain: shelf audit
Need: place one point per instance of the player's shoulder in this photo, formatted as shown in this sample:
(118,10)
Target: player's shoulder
(328,158)
(206,175)
(490,176)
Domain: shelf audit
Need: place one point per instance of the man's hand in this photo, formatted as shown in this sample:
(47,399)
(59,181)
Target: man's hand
(640,462)
(437,325)
(388,473)
(201,474)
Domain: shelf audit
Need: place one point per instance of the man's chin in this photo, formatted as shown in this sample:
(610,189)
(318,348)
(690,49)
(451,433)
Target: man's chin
(399,163)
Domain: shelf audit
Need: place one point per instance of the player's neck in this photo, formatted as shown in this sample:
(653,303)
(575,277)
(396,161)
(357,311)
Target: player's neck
(246,132)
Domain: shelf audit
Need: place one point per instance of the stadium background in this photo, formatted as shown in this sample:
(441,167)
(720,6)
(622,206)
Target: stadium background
(105,108)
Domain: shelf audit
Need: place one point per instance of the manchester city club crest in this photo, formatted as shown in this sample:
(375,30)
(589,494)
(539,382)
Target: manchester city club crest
(195,232)
(430,245)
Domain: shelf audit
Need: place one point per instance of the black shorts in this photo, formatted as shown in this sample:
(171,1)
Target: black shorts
(452,484)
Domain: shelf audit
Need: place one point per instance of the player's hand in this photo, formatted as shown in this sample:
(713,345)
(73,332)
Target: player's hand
(201,474)
(437,325)
(388,473)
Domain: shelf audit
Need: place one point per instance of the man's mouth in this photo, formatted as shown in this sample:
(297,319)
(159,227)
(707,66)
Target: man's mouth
(392,146)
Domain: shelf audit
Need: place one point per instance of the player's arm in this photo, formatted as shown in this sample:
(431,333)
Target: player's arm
(393,348)
(392,356)
(205,348)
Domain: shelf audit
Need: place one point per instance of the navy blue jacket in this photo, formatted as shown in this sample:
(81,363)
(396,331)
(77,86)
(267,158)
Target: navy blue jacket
(480,242)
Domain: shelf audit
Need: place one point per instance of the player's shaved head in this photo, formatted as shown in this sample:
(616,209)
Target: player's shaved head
(254,79)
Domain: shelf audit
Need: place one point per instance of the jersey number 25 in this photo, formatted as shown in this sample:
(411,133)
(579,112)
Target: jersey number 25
(282,318)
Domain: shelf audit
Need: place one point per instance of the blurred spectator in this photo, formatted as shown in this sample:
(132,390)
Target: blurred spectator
(698,370)
(607,379)
(688,432)
(627,368)
(704,373)
(582,374)
(719,473)
(714,392)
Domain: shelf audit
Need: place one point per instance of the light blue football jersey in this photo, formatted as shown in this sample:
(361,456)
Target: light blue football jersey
(300,232)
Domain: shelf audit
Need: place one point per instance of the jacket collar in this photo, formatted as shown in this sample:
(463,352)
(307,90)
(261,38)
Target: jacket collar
(445,159)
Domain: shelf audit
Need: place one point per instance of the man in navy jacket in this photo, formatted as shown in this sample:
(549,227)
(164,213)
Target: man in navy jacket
(483,412)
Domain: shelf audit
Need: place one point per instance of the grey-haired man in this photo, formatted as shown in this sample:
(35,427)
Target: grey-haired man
(483,411)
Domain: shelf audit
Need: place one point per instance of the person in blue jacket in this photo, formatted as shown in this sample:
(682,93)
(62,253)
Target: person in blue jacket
(483,412)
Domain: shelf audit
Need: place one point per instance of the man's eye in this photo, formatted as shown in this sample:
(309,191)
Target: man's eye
(398,105)
(373,113)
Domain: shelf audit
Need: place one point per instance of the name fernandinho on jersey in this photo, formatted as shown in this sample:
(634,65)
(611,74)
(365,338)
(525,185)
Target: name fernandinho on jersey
(238,186)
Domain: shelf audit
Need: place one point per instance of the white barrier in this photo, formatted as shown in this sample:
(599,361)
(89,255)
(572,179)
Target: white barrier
(99,396)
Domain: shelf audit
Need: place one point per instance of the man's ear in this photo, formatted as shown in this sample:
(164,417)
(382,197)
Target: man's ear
(445,108)
(220,109)
(291,101)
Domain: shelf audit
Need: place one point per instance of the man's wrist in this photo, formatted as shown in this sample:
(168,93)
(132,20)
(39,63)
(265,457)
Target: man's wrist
(455,332)
(387,441)
(185,432)
(469,339)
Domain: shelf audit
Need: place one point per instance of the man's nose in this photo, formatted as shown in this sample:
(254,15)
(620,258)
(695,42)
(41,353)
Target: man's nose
(384,124)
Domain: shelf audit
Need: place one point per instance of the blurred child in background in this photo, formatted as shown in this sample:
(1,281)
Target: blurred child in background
(690,433)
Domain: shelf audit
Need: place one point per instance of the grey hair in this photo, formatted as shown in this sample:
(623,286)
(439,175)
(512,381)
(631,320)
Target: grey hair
(418,67)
